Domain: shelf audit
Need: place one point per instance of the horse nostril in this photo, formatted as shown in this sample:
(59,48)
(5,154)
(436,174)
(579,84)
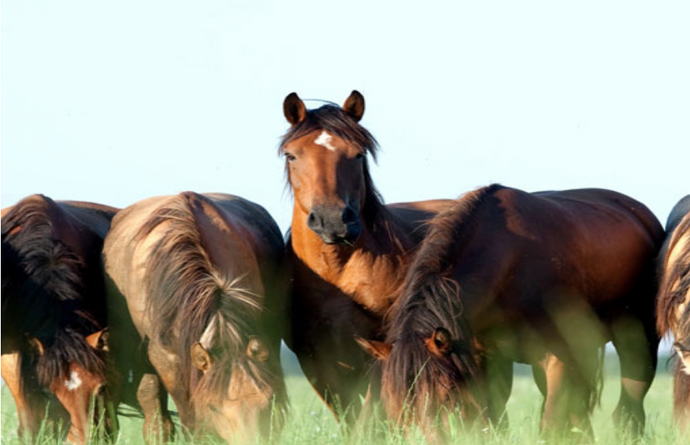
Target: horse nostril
(312,222)
(349,215)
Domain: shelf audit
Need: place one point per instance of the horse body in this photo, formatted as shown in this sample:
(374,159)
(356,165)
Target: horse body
(348,250)
(506,276)
(673,302)
(53,309)
(195,312)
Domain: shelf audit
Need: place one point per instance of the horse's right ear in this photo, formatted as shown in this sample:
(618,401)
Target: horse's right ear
(37,345)
(294,109)
(377,349)
(200,357)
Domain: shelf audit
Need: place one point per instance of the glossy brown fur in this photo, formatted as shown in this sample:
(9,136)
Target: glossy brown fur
(53,309)
(543,278)
(673,303)
(341,291)
(194,286)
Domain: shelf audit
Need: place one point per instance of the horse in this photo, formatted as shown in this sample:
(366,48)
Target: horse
(195,307)
(673,303)
(54,339)
(347,250)
(508,276)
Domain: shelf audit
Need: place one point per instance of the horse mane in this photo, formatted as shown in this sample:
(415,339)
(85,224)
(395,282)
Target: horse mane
(334,120)
(675,282)
(189,297)
(430,299)
(43,290)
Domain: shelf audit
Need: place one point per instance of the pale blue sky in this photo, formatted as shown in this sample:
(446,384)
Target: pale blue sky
(117,101)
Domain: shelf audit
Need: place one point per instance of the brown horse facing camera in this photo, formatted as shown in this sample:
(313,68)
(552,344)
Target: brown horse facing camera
(53,313)
(194,310)
(673,303)
(348,250)
(540,278)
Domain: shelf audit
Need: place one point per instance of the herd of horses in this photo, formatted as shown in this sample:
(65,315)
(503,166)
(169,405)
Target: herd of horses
(421,307)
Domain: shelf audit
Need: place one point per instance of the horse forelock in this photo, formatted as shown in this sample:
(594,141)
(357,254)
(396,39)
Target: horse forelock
(336,122)
(44,287)
(674,285)
(190,300)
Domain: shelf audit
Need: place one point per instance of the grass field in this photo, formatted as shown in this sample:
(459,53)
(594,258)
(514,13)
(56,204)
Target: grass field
(311,423)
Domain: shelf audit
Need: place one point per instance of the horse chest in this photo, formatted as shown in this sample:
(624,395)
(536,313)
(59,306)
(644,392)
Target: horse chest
(369,284)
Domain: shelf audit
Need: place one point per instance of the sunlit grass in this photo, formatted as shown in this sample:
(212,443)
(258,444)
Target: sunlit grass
(310,422)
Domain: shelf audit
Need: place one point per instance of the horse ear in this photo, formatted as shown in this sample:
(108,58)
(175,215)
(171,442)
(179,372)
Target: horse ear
(377,349)
(294,109)
(200,357)
(37,345)
(354,105)
(440,342)
(257,350)
(99,340)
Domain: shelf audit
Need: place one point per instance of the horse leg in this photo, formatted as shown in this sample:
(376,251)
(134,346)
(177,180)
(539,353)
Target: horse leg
(498,374)
(636,343)
(568,397)
(29,409)
(153,399)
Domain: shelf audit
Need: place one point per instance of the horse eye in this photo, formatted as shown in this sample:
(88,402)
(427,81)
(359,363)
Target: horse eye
(359,156)
(290,157)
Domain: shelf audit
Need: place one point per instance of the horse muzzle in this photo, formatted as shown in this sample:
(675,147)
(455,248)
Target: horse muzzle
(335,225)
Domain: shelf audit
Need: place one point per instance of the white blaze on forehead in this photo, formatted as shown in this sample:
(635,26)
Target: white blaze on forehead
(324,140)
(74,381)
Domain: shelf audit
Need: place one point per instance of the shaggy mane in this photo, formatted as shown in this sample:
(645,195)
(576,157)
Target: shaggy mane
(43,291)
(189,296)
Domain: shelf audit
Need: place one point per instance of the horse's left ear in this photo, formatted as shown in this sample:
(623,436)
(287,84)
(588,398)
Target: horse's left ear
(354,105)
(440,342)
(377,349)
(99,340)
(37,345)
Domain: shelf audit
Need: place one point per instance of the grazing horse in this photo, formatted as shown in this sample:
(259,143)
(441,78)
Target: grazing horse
(53,310)
(673,302)
(546,279)
(195,310)
(347,250)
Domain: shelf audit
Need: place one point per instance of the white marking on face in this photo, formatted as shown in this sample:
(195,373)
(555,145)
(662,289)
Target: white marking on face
(74,381)
(324,140)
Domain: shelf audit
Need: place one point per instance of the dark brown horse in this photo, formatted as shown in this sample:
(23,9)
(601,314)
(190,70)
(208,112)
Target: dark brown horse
(673,303)
(547,279)
(53,310)
(195,310)
(348,250)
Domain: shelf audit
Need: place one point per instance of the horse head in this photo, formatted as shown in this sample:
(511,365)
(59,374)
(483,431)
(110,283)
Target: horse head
(325,152)
(240,395)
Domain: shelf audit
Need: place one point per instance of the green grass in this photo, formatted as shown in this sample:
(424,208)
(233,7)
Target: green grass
(310,422)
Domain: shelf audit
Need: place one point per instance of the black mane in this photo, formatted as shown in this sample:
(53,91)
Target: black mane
(44,291)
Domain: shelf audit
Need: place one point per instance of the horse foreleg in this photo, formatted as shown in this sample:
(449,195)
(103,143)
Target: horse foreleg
(29,410)
(498,373)
(153,399)
(567,401)
(636,345)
